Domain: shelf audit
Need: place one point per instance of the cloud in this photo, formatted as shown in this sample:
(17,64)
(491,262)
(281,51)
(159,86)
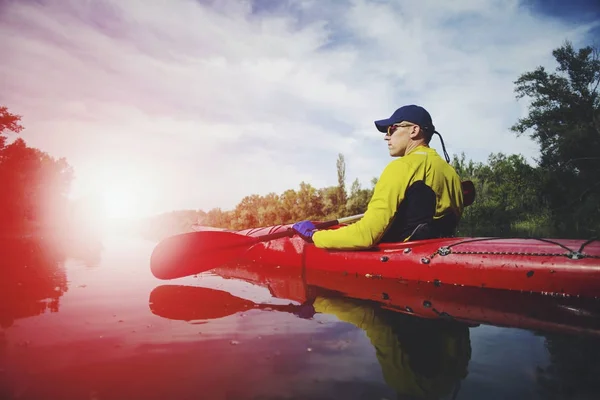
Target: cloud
(202,103)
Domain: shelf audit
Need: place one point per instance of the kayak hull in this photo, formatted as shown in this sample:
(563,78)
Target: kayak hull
(563,267)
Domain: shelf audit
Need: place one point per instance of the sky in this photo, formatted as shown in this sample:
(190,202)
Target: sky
(193,104)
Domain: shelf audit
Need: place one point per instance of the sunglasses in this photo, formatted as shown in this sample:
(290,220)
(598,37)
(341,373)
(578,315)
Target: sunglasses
(393,128)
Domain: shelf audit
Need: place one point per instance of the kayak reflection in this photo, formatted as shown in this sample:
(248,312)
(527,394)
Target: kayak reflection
(420,358)
(532,311)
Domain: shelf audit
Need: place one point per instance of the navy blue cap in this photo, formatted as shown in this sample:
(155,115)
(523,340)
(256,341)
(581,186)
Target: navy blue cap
(411,113)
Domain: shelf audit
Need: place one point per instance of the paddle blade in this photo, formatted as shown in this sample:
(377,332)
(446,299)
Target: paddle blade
(468,189)
(194,252)
(187,303)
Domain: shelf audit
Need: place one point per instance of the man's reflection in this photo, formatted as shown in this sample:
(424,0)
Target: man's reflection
(419,358)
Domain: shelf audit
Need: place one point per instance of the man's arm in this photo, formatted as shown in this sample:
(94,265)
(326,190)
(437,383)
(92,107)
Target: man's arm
(389,192)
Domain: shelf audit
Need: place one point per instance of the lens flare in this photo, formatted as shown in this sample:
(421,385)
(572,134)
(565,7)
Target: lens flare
(120,202)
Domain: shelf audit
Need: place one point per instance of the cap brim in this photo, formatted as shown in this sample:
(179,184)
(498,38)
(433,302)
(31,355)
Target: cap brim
(382,124)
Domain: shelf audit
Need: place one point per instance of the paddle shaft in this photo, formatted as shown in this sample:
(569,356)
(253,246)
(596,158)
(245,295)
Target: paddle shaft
(322,225)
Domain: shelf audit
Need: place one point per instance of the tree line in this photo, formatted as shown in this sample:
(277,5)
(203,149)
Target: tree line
(34,185)
(560,196)
(557,197)
(306,202)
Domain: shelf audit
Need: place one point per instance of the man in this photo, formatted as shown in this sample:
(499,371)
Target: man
(418,196)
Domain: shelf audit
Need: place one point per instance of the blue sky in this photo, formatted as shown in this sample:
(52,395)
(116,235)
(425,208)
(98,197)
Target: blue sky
(170,104)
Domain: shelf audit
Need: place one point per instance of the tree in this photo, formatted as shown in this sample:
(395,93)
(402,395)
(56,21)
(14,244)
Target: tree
(564,119)
(308,204)
(245,213)
(34,185)
(8,122)
(507,202)
(288,210)
(330,197)
(359,199)
(464,169)
(268,211)
(341,173)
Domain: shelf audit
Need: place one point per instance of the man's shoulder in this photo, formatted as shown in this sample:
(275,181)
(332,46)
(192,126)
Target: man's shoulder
(398,167)
(399,162)
(417,156)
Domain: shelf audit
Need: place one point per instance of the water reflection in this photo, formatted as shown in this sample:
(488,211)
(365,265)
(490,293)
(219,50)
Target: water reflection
(573,370)
(32,280)
(190,303)
(419,358)
(258,331)
(33,276)
(421,333)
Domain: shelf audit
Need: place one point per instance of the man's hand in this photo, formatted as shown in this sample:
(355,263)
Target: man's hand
(305,229)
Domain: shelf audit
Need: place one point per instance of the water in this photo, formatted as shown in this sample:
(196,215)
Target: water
(85,322)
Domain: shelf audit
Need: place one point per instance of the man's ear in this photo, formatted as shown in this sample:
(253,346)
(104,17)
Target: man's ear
(416,129)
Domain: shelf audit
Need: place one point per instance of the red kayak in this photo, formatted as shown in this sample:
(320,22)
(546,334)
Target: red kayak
(547,266)
(564,267)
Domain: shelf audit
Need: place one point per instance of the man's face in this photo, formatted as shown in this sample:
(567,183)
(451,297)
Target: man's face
(398,137)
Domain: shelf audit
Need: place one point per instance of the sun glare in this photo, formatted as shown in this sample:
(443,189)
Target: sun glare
(119,202)
(118,192)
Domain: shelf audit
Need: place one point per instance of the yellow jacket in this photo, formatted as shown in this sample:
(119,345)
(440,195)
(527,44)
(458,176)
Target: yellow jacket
(420,164)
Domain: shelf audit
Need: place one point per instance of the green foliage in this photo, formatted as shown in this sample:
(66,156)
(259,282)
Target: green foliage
(359,198)
(564,119)
(330,201)
(507,196)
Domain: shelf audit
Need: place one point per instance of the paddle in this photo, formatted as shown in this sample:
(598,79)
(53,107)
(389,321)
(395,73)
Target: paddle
(187,303)
(468,189)
(194,252)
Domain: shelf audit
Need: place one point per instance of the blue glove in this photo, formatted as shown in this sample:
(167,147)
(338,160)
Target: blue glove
(305,229)
(306,310)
